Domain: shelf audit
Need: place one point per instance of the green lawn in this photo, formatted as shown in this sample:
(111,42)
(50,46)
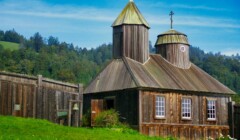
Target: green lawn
(31,129)
(9,45)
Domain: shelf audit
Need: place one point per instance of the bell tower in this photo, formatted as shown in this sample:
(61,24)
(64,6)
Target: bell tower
(130,34)
(174,47)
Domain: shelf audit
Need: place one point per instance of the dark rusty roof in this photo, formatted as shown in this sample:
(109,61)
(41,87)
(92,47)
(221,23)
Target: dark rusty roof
(130,15)
(156,73)
(172,36)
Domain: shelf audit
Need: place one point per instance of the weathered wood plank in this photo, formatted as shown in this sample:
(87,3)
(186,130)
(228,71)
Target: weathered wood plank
(9,99)
(14,98)
(25,104)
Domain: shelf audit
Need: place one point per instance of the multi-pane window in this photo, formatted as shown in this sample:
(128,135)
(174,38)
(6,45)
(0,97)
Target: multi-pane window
(160,106)
(186,108)
(211,109)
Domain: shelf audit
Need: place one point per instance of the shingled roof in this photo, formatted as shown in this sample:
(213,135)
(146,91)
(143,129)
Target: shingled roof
(156,73)
(172,37)
(130,15)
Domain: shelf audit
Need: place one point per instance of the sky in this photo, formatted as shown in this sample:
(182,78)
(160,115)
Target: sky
(211,25)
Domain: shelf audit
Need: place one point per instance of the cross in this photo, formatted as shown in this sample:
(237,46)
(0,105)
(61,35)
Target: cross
(130,0)
(171,14)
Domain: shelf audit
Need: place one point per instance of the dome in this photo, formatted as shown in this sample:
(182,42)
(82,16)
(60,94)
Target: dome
(172,37)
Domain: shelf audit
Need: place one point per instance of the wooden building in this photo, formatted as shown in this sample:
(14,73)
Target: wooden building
(159,94)
(38,97)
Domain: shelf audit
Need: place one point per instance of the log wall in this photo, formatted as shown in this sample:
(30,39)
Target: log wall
(173,122)
(131,41)
(175,54)
(36,97)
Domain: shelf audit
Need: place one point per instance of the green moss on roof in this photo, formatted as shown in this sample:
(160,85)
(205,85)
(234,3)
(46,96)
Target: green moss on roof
(130,15)
(172,37)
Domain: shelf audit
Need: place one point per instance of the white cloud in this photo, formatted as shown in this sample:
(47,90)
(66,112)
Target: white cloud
(199,7)
(182,6)
(195,21)
(39,9)
(230,51)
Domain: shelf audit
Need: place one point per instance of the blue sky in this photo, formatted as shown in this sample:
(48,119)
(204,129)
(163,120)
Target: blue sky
(212,25)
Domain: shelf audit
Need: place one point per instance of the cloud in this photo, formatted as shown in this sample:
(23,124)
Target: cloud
(230,51)
(195,21)
(39,9)
(183,6)
(199,7)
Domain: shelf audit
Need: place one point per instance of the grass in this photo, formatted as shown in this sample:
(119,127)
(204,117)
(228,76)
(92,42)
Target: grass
(31,129)
(9,45)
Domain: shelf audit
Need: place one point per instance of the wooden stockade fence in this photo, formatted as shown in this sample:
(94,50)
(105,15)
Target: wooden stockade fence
(237,121)
(234,120)
(38,97)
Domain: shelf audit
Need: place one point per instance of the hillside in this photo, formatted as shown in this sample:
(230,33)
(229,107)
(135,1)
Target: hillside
(28,129)
(66,62)
(9,45)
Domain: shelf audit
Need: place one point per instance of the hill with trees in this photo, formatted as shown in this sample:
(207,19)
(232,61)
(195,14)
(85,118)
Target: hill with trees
(63,61)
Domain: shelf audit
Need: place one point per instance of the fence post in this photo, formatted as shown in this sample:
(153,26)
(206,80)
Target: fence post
(80,91)
(39,109)
(231,117)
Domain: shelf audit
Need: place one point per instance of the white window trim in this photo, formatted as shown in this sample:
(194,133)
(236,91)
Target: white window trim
(186,107)
(162,105)
(215,111)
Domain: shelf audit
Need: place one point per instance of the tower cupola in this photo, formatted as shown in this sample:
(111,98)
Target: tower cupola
(130,34)
(174,47)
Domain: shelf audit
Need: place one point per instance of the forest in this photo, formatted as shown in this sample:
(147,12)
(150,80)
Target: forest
(66,62)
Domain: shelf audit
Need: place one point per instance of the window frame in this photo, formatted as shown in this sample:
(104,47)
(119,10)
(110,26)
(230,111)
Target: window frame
(155,109)
(215,109)
(190,117)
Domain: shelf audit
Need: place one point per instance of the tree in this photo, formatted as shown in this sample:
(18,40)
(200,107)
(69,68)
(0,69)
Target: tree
(1,35)
(13,36)
(38,42)
(53,41)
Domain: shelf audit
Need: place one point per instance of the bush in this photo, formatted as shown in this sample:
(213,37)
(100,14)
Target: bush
(108,118)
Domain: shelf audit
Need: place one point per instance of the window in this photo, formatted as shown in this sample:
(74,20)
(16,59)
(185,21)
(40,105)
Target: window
(211,109)
(186,108)
(160,107)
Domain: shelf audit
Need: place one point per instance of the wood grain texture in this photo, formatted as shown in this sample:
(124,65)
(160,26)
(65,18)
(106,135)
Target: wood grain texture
(173,54)
(36,97)
(184,132)
(131,41)
(173,114)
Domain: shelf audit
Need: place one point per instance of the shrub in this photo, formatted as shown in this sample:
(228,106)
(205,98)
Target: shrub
(108,118)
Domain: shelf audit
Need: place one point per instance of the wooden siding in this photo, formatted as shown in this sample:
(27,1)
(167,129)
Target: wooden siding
(173,54)
(131,41)
(184,132)
(173,117)
(37,97)
(126,103)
